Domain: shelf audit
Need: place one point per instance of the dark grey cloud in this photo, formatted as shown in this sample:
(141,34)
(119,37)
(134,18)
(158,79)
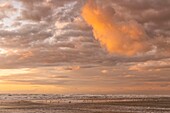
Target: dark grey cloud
(153,15)
(53,33)
(48,43)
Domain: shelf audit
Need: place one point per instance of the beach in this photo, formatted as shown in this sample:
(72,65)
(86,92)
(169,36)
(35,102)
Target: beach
(43,103)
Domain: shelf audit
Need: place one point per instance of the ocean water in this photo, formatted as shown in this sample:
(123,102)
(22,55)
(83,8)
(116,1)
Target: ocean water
(46,103)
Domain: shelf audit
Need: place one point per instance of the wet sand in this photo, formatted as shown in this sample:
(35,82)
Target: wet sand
(83,104)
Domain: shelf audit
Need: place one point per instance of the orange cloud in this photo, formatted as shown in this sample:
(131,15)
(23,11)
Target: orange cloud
(125,38)
(26,55)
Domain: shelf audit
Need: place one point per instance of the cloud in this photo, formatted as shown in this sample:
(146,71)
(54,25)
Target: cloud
(8,72)
(104,71)
(123,37)
(152,16)
(44,10)
(61,37)
(36,10)
(67,68)
(151,65)
(47,42)
(5,9)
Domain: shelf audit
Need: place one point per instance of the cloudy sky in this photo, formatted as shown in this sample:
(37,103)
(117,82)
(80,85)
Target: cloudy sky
(85,46)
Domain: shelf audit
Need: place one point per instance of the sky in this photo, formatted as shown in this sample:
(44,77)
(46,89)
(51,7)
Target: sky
(85,46)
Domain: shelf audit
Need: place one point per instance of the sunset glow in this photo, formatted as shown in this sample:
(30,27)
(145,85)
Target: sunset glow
(85,46)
